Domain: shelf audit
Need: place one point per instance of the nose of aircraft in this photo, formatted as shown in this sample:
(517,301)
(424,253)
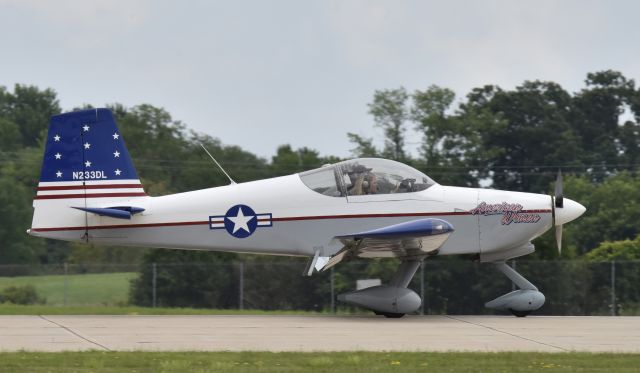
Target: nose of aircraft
(570,210)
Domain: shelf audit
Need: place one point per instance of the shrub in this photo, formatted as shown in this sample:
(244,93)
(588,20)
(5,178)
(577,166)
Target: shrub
(26,294)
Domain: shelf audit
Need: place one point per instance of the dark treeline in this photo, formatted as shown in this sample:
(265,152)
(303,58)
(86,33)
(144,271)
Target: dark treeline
(507,139)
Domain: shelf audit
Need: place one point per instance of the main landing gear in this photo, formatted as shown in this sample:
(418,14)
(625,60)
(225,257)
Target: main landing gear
(395,300)
(392,301)
(519,302)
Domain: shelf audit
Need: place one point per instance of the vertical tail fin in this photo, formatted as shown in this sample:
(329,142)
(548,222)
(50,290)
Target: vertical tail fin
(85,146)
(86,163)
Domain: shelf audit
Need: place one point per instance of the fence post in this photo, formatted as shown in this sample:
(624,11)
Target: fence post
(422,287)
(333,301)
(66,282)
(154,277)
(613,288)
(241,287)
(513,285)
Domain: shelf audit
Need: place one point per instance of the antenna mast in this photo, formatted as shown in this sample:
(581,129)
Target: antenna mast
(217,164)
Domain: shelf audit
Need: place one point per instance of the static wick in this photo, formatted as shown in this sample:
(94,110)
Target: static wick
(217,164)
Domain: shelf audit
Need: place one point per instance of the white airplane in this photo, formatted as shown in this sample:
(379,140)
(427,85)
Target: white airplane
(369,208)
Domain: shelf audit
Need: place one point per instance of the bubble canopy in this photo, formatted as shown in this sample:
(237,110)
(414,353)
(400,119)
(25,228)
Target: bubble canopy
(365,176)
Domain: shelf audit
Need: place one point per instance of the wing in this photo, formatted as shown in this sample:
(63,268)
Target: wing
(413,238)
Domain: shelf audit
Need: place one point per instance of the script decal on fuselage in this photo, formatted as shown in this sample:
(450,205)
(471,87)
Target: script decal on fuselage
(89,175)
(511,212)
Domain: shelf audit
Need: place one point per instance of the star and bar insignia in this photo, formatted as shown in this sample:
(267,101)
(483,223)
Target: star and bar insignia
(240,221)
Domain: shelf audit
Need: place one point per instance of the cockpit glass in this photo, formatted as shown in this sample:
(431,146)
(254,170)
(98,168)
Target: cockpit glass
(322,180)
(381,176)
(366,176)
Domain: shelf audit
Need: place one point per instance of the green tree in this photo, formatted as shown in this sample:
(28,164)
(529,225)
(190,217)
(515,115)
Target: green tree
(429,112)
(615,250)
(10,137)
(199,171)
(363,146)
(15,200)
(597,114)
(390,112)
(155,142)
(449,141)
(537,138)
(288,161)
(186,279)
(30,108)
(613,211)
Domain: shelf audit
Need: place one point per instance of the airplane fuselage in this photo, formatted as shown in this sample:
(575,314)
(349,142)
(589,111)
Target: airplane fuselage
(292,219)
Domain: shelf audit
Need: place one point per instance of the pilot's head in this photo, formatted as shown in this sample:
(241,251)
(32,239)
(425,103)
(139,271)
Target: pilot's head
(370,183)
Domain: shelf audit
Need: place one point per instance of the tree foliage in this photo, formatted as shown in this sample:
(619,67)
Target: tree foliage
(390,112)
(616,250)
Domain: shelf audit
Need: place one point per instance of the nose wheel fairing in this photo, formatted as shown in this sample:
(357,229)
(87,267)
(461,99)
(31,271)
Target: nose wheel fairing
(520,302)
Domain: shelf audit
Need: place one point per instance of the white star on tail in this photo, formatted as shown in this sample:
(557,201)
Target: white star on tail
(56,138)
(118,172)
(58,174)
(87,145)
(116,154)
(115,136)
(87,163)
(240,221)
(85,128)
(58,155)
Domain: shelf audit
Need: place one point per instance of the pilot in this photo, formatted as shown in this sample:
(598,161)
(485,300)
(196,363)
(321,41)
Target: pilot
(405,186)
(370,184)
(365,184)
(363,181)
(356,190)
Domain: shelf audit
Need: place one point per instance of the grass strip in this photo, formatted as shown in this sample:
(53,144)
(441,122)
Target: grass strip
(193,362)
(12,309)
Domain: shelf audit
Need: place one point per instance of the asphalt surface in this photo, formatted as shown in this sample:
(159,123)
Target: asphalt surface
(319,333)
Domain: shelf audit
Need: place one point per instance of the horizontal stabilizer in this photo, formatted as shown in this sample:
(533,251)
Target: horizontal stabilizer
(118,212)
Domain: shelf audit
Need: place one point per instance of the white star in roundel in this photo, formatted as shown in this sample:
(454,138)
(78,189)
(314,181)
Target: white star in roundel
(58,155)
(240,221)
(56,138)
(118,172)
(87,145)
(116,154)
(85,128)
(58,174)
(115,136)
(87,164)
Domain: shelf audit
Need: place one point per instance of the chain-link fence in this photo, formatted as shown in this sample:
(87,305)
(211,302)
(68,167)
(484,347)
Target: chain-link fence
(446,286)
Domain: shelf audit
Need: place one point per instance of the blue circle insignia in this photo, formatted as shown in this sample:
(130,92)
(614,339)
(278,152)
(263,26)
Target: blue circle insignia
(240,221)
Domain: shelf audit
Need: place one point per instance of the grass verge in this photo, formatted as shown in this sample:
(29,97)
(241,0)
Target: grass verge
(318,362)
(78,289)
(12,309)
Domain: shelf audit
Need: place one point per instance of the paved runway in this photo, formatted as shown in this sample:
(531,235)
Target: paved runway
(316,333)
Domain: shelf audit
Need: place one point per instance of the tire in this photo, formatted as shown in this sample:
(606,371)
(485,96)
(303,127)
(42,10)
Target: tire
(519,313)
(390,315)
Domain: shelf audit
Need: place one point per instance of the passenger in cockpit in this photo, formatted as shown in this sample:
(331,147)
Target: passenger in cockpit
(405,186)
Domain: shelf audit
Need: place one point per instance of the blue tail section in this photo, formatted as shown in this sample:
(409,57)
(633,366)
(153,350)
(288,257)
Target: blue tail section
(85,145)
